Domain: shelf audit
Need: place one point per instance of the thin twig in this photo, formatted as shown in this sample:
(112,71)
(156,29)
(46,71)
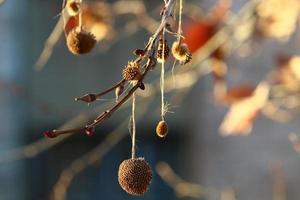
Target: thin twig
(181,187)
(49,44)
(92,97)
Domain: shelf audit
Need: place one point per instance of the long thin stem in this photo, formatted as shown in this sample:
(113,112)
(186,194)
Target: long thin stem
(179,32)
(162,78)
(133,127)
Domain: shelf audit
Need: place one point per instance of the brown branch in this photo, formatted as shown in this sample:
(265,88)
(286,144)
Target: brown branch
(202,53)
(186,79)
(148,54)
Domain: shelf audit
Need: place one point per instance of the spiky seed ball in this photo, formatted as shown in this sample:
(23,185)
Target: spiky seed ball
(162,129)
(181,52)
(163,51)
(73,7)
(131,71)
(134,176)
(80,41)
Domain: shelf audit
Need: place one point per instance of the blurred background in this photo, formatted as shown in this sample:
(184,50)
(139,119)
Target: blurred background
(195,160)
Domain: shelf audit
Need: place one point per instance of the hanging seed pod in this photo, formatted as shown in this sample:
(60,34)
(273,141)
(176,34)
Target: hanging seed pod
(132,72)
(162,129)
(73,7)
(80,41)
(163,51)
(181,52)
(119,91)
(134,176)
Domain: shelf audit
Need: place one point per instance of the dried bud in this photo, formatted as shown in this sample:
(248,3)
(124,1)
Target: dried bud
(162,129)
(50,134)
(89,130)
(80,41)
(73,7)
(88,98)
(163,51)
(139,52)
(132,71)
(134,176)
(141,85)
(181,52)
(119,91)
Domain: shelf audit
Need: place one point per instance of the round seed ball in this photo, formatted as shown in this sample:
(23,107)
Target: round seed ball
(162,129)
(181,52)
(80,41)
(131,71)
(134,176)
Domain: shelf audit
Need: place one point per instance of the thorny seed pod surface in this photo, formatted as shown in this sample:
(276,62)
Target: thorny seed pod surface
(163,51)
(73,7)
(80,41)
(181,52)
(162,129)
(134,176)
(131,71)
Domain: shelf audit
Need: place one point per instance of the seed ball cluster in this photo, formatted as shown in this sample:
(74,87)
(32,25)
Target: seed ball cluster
(163,51)
(162,129)
(80,41)
(181,52)
(131,71)
(134,176)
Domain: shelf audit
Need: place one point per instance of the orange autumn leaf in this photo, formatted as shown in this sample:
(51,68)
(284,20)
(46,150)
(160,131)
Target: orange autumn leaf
(240,117)
(237,94)
(198,33)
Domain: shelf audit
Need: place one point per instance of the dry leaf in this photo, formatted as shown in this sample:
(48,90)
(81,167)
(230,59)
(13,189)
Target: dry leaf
(278,18)
(237,94)
(240,117)
(288,73)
